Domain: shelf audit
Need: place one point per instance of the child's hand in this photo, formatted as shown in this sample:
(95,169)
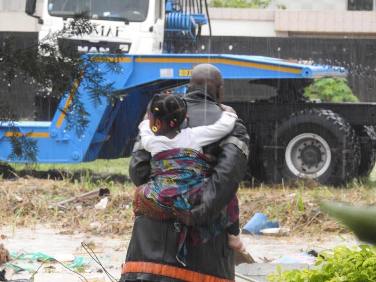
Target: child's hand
(227,109)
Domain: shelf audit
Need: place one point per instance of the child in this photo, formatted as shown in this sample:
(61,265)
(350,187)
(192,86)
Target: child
(179,170)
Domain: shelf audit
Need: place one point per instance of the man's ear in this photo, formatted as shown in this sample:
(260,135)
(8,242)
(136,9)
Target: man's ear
(220,93)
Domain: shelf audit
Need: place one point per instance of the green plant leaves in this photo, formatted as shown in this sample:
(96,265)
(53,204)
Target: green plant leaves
(328,89)
(341,264)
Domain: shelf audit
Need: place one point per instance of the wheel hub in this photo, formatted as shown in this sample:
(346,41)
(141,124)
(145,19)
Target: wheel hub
(311,156)
(308,155)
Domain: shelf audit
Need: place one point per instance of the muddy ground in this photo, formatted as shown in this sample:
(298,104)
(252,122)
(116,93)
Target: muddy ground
(111,250)
(31,222)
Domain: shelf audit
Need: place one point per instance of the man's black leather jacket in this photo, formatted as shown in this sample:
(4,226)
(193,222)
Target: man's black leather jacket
(155,241)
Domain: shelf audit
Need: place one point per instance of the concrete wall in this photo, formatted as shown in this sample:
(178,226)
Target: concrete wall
(336,23)
(312,5)
(241,22)
(12,5)
(326,22)
(316,5)
(13,17)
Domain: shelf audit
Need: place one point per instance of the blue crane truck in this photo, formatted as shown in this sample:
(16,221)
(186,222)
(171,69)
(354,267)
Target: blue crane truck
(291,137)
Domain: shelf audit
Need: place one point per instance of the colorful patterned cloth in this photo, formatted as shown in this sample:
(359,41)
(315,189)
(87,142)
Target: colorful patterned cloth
(177,179)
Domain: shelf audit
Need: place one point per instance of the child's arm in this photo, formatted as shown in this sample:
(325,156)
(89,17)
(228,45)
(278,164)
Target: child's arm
(146,135)
(205,135)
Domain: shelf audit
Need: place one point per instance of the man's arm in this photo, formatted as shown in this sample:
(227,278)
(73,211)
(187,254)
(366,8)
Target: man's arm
(139,166)
(227,174)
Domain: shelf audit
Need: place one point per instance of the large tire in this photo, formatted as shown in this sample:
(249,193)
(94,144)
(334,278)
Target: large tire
(367,136)
(316,144)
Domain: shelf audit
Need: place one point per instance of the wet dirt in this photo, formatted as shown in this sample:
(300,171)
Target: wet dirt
(111,251)
(40,239)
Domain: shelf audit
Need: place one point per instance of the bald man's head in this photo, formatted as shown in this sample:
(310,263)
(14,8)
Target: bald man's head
(208,78)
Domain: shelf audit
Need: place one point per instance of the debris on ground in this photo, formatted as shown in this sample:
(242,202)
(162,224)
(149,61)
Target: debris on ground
(243,257)
(101,192)
(299,258)
(4,255)
(95,226)
(278,231)
(258,222)
(102,205)
(297,208)
(30,264)
(41,198)
(51,256)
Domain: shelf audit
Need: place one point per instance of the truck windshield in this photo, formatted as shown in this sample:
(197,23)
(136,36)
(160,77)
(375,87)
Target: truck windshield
(121,10)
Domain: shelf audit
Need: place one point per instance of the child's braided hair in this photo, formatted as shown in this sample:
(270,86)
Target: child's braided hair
(170,109)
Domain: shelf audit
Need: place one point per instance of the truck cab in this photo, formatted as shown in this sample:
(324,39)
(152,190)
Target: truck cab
(127,26)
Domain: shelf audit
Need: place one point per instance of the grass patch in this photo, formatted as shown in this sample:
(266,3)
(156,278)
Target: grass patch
(116,166)
(297,207)
(97,171)
(26,201)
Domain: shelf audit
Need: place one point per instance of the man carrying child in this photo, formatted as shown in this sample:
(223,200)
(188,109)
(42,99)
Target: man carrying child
(159,249)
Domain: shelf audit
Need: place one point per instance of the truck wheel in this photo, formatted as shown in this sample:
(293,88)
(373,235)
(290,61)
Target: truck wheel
(367,135)
(316,144)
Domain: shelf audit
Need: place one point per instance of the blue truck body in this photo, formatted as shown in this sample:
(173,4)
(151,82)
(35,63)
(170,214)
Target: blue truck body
(112,120)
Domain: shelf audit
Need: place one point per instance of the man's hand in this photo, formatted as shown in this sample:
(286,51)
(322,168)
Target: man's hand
(184,217)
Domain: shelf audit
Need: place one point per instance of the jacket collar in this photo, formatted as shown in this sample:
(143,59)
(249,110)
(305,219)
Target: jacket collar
(198,94)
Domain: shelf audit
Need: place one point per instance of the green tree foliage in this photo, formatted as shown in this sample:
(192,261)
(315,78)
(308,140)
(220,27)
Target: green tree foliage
(240,3)
(23,148)
(330,89)
(341,264)
(51,73)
